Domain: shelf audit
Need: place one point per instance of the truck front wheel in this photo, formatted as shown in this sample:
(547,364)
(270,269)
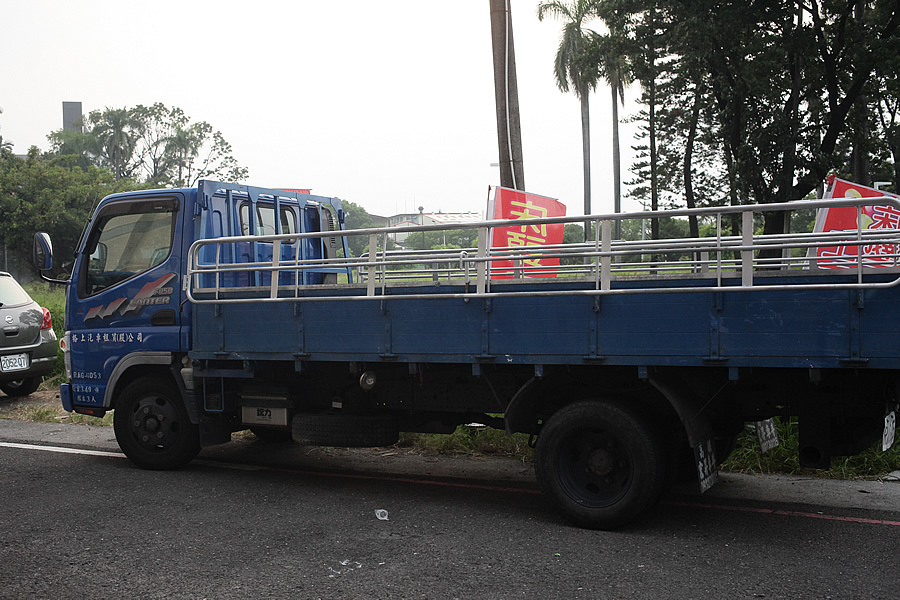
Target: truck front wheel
(152,425)
(601,462)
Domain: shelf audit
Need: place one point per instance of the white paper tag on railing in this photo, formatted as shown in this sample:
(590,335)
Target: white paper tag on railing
(890,428)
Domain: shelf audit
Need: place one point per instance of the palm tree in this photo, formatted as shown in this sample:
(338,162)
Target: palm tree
(116,132)
(572,71)
(609,54)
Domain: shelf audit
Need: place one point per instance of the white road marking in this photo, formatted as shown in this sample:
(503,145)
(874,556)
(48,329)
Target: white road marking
(61,449)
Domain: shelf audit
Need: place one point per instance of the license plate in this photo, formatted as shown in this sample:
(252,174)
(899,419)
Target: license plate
(257,415)
(767,435)
(707,465)
(14,362)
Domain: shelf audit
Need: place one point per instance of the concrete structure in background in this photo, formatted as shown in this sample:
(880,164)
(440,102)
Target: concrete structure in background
(72,117)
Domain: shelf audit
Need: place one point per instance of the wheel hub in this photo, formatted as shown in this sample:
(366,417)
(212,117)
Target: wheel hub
(601,462)
(152,425)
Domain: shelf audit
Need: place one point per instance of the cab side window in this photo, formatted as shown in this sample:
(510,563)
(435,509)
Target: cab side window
(127,239)
(265,219)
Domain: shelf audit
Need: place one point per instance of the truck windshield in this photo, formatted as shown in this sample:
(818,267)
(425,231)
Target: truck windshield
(128,238)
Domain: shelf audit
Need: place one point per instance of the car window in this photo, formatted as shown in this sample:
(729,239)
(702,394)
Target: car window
(11,293)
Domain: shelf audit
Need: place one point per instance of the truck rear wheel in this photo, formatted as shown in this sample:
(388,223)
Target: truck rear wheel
(601,463)
(152,425)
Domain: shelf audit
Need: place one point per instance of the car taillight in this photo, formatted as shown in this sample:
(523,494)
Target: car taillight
(47,323)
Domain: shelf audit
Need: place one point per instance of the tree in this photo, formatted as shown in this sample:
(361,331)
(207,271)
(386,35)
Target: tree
(573,71)
(114,133)
(41,195)
(356,217)
(4,145)
(760,101)
(156,145)
(609,55)
(785,78)
(160,125)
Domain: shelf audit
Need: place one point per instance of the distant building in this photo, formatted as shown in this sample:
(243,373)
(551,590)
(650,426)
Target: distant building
(424,218)
(72,117)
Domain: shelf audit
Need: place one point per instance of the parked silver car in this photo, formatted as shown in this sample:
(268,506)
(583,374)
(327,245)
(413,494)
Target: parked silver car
(28,344)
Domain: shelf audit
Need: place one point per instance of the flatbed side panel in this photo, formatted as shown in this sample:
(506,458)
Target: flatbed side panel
(447,327)
(791,324)
(791,328)
(665,325)
(879,322)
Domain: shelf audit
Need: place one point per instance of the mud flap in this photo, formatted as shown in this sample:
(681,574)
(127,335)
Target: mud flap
(707,465)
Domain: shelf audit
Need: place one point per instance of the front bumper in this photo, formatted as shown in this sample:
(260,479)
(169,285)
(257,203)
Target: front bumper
(65,395)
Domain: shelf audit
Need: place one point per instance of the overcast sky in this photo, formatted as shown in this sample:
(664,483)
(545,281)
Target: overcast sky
(388,105)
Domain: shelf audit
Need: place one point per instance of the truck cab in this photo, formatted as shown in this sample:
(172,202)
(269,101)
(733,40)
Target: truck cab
(127,322)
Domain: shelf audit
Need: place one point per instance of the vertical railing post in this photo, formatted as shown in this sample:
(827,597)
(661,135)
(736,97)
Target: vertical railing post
(859,246)
(276,260)
(747,252)
(605,258)
(370,269)
(718,249)
(482,267)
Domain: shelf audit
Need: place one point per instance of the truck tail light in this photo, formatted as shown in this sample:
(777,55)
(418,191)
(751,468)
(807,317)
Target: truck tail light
(47,323)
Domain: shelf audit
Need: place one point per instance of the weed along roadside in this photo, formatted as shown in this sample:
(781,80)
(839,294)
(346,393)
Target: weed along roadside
(43,406)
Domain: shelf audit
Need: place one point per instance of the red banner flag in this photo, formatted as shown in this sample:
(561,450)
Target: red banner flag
(844,218)
(513,204)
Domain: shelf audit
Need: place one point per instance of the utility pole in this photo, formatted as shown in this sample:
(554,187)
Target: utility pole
(506,95)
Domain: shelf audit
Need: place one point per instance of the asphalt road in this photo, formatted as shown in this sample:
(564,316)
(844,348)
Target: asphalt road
(254,520)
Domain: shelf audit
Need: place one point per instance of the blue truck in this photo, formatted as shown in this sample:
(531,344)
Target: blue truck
(194,313)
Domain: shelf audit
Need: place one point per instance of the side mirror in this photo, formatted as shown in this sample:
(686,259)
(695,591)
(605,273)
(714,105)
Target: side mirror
(42,252)
(97,261)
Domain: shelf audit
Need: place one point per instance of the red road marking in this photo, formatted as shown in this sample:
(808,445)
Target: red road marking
(787,513)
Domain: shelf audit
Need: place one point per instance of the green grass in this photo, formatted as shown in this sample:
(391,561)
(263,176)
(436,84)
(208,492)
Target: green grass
(54,413)
(469,440)
(52,297)
(747,458)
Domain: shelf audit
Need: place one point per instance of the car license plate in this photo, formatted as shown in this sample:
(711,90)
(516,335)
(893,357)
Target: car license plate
(14,362)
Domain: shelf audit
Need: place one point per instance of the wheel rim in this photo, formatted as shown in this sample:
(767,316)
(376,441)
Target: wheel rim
(594,467)
(154,423)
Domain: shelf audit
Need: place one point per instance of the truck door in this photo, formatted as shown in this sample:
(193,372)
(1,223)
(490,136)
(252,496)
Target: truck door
(128,295)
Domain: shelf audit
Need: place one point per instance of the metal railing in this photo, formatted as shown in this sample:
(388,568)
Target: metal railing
(716,263)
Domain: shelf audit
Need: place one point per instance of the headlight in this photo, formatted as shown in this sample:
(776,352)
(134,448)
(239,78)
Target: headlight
(67,356)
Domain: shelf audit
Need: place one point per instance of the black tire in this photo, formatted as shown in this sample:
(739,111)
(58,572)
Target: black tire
(21,387)
(343,430)
(152,425)
(601,463)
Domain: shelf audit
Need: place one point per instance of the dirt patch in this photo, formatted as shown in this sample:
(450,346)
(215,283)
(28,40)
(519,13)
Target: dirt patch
(11,407)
